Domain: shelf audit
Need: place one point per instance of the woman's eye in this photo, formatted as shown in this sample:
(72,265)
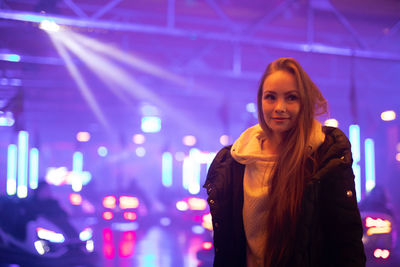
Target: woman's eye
(293,97)
(269,97)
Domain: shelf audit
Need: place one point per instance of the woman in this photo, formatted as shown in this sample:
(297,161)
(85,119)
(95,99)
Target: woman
(283,194)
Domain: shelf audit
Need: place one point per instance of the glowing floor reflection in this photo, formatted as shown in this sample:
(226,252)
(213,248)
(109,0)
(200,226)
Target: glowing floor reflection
(154,247)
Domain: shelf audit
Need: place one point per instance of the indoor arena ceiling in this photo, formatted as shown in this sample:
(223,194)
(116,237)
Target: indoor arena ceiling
(197,61)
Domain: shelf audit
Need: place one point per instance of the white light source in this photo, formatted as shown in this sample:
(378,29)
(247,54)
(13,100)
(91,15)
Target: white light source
(151,124)
(388,115)
(49,26)
(331,122)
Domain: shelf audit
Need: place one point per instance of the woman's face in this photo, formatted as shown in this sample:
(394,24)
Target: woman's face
(280,101)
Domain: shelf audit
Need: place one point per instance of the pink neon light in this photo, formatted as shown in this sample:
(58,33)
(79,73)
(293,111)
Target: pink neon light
(108,246)
(127,245)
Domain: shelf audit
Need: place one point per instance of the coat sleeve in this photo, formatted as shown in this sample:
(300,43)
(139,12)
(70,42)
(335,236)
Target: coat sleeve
(340,218)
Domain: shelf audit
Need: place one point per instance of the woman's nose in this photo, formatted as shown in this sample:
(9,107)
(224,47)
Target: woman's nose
(280,106)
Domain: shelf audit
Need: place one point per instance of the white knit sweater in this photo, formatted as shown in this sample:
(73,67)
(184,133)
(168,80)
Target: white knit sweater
(248,150)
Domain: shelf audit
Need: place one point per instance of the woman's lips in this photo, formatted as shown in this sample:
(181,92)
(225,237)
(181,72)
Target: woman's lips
(280,119)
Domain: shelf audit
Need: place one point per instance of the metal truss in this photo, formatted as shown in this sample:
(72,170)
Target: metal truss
(236,34)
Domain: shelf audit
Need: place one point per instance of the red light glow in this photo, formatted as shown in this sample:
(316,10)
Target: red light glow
(108,247)
(75,199)
(207,245)
(127,202)
(130,215)
(127,245)
(197,203)
(108,215)
(381,253)
(109,202)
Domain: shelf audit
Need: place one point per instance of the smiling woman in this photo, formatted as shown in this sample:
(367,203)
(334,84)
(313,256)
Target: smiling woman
(283,194)
(280,103)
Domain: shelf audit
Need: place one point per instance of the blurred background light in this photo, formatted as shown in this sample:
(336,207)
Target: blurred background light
(75,199)
(224,140)
(128,202)
(251,107)
(189,140)
(388,115)
(102,151)
(151,124)
(10,57)
(12,170)
(182,205)
(369,164)
(139,139)
(165,221)
(22,188)
(6,118)
(49,26)
(331,122)
(140,151)
(83,136)
(33,168)
(167,167)
(354,137)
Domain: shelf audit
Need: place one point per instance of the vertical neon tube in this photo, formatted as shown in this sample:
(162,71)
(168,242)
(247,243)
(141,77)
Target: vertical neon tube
(33,168)
(12,170)
(166,169)
(77,168)
(187,172)
(22,188)
(354,136)
(369,164)
(210,159)
(194,184)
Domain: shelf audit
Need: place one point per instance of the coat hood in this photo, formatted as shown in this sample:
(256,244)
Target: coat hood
(248,147)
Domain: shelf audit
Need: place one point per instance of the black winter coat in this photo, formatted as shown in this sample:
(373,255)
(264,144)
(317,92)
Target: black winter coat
(329,229)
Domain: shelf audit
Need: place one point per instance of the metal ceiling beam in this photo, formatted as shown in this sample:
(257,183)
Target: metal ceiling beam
(206,35)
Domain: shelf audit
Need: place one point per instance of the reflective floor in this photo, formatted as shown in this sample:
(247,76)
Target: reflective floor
(154,246)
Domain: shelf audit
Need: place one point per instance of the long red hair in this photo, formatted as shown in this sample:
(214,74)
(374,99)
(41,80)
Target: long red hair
(290,173)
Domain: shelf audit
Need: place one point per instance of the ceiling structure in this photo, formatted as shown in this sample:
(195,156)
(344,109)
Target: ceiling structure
(198,62)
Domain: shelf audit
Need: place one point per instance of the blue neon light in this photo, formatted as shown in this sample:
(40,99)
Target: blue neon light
(22,188)
(77,168)
(34,168)
(369,164)
(10,57)
(354,136)
(77,162)
(166,169)
(12,170)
